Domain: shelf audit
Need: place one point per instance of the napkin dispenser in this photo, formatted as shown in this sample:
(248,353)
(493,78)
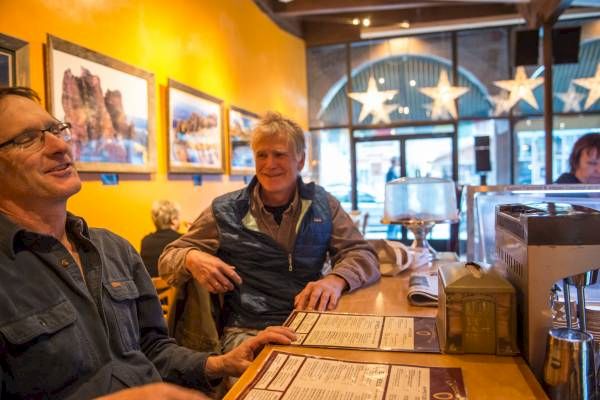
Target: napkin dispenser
(476,310)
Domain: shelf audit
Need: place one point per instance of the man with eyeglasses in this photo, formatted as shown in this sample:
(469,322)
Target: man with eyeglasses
(79,316)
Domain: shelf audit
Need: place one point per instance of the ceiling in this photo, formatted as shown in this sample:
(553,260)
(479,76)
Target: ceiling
(334,21)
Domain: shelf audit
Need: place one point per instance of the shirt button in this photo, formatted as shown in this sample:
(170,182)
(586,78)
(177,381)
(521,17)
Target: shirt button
(64,262)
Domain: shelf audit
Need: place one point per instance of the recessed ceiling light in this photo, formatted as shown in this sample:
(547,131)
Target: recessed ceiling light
(285,1)
(355,21)
(405,24)
(366,22)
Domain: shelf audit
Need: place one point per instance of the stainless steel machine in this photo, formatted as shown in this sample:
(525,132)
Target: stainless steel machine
(538,245)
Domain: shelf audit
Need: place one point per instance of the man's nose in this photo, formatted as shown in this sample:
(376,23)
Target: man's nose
(56,143)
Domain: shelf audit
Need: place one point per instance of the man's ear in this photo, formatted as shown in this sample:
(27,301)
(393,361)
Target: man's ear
(301,162)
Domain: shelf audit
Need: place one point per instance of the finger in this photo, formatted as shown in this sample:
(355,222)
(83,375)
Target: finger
(314,297)
(283,330)
(301,300)
(265,337)
(324,301)
(224,283)
(229,271)
(333,302)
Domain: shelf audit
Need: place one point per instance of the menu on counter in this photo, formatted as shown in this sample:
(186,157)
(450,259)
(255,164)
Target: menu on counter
(364,332)
(299,377)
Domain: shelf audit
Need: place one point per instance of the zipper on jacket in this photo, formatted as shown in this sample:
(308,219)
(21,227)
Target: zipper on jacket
(290,265)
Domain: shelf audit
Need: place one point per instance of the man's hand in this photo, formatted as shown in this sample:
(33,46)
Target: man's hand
(156,391)
(213,274)
(237,360)
(321,295)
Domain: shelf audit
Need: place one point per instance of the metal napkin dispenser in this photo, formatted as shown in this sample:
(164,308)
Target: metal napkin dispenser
(476,310)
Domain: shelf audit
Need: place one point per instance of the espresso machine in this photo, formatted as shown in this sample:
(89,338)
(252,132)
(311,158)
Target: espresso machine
(538,245)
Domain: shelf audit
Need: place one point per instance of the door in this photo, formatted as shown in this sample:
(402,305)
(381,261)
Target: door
(382,159)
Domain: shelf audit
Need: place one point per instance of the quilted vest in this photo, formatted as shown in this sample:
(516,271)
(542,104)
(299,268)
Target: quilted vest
(271,277)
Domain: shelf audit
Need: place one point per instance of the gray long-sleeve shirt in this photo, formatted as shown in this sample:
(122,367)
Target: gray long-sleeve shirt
(68,335)
(352,257)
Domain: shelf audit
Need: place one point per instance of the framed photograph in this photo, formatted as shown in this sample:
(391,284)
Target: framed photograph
(196,143)
(241,124)
(6,68)
(109,104)
(14,61)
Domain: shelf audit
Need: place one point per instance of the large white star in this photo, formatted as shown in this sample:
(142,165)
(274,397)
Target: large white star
(571,99)
(443,96)
(593,85)
(501,104)
(520,88)
(373,102)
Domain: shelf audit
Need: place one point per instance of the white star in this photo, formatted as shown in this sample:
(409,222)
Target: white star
(501,104)
(373,102)
(593,85)
(520,88)
(571,99)
(443,96)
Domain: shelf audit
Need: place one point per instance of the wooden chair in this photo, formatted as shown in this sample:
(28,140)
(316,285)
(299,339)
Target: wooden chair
(166,294)
(360,219)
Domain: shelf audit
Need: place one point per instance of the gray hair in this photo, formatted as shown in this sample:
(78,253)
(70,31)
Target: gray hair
(274,125)
(164,212)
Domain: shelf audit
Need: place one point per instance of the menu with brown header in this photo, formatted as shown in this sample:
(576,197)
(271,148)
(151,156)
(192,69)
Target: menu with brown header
(300,377)
(364,332)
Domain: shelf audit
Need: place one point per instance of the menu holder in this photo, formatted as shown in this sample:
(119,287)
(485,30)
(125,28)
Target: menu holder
(364,331)
(286,375)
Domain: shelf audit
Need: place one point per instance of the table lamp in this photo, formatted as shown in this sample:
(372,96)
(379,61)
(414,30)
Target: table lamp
(419,204)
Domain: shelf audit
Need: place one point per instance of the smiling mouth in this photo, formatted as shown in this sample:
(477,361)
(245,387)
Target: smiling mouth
(60,167)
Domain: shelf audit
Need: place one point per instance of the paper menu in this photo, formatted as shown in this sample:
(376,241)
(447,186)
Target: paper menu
(366,332)
(289,376)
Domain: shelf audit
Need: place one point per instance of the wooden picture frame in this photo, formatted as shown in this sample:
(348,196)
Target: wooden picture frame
(110,105)
(241,125)
(15,54)
(195,131)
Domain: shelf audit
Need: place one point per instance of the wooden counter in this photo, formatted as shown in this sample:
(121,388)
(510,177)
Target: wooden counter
(485,377)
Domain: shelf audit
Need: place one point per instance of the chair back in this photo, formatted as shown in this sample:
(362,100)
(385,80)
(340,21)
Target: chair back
(166,295)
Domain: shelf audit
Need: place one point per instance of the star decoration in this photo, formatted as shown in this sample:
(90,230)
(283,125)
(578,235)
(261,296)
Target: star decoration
(501,104)
(571,99)
(593,85)
(443,96)
(373,102)
(520,88)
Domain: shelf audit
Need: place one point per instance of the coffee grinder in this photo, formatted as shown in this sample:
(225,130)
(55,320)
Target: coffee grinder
(538,245)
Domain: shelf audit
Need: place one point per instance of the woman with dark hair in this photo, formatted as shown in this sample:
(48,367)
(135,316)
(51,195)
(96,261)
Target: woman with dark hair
(584,161)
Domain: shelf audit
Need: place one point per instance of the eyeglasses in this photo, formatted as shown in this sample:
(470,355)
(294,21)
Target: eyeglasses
(34,139)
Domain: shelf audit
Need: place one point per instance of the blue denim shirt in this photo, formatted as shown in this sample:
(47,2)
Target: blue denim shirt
(63,336)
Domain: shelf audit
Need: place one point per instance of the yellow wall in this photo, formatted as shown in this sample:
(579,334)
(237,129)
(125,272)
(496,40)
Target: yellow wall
(226,48)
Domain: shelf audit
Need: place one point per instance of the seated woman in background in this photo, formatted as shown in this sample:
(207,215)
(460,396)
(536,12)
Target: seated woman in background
(584,161)
(165,216)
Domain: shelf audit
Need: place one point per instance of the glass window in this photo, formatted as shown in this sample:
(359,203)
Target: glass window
(327,101)
(498,132)
(531,146)
(571,82)
(387,76)
(482,59)
(376,163)
(329,160)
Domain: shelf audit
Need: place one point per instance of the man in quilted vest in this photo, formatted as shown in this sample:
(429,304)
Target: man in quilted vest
(264,247)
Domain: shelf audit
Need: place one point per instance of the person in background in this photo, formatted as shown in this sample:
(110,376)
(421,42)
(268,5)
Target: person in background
(264,246)
(393,173)
(165,216)
(394,170)
(584,161)
(79,316)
